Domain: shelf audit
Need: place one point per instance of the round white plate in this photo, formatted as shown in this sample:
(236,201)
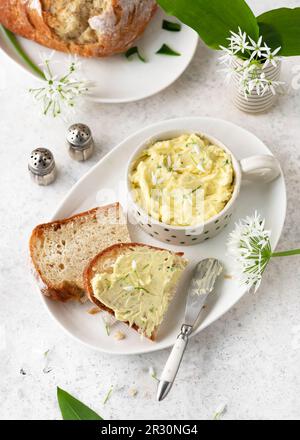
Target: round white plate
(105,183)
(118,79)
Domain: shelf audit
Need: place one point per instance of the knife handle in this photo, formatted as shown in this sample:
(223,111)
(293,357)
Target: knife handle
(173,363)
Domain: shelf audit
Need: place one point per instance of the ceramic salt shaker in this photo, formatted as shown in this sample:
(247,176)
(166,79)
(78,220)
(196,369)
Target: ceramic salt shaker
(42,166)
(80,142)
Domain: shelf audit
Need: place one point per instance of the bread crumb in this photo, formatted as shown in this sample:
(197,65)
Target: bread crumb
(94,310)
(119,335)
(228,277)
(133,392)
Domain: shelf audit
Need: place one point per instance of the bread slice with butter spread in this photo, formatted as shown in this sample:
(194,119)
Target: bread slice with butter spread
(60,250)
(135,283)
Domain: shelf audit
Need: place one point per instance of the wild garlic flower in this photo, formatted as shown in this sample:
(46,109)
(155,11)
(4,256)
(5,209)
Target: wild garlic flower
(257,49)
(249,245)
(108,321)
(259,84)
(200,167)
(238,42)
(196,148)
(155,180)
(248,59)
(271,57)
(227,56)
(59,92)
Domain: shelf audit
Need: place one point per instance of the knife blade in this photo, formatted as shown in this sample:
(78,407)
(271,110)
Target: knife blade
(201,285)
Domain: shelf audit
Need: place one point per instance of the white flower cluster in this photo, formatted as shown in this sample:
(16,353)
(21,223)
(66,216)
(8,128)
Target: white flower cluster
(249,245)
(249,59)
(59,92)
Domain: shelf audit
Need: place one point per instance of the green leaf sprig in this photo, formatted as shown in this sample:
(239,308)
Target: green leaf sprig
(108,394)
(281,27)
(213,20)
(135,51)
(22,54)
(171,26)
(167,50)
(73,409)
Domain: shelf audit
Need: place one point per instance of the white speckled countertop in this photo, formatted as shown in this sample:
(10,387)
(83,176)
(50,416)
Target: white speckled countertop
(249,359)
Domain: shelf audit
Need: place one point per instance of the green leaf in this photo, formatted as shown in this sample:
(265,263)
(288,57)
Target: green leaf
(171,26)
(214,19)
(166,50)
(281,27)
(135,51)
(73,409)
(11,37)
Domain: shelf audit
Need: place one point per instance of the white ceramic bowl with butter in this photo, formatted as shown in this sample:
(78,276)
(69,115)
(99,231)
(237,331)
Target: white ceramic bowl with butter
(259,168)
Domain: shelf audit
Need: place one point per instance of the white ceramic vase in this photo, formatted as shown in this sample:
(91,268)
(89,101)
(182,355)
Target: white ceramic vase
(254,103)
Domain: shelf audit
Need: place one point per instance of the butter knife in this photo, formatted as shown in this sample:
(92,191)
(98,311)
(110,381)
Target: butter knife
(201,285)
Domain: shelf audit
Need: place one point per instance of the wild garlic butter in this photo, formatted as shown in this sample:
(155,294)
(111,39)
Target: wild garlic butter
(182,181)
(140,286)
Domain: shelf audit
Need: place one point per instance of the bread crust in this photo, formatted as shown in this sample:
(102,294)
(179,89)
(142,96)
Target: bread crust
(67,291)
(22,18)
(89,273)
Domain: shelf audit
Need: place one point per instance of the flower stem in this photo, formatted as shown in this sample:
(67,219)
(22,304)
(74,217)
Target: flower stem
(21,52)
(286,253)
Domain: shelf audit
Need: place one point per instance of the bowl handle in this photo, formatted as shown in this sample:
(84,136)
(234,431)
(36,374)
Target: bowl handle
(261,168)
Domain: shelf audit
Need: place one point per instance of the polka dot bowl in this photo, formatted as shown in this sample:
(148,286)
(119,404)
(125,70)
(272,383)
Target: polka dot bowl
(262,168)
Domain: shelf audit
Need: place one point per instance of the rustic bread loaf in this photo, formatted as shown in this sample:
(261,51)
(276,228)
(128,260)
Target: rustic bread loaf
(60,250)
(91,28)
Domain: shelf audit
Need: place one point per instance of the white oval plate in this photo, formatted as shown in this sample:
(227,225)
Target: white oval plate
(105,182)
(118,79)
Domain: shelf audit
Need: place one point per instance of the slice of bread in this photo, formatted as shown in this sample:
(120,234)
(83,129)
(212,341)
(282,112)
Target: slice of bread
(60,250)
(104,263)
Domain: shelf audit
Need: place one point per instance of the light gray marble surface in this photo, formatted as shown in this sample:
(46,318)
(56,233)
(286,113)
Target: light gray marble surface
(249,359)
